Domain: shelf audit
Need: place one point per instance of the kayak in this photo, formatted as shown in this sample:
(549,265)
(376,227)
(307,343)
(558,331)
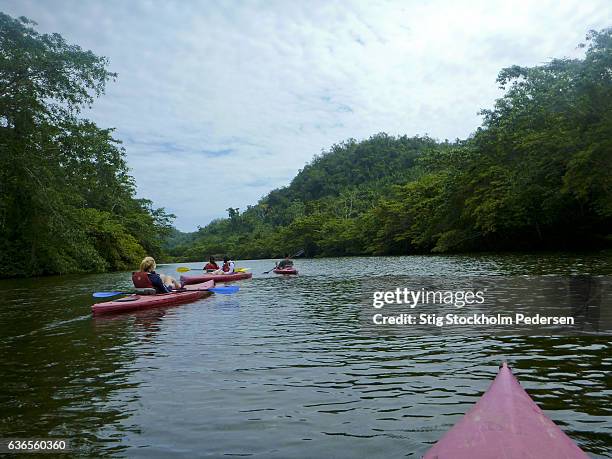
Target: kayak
(506,423)
(289,270)
(187,280)
(136,302)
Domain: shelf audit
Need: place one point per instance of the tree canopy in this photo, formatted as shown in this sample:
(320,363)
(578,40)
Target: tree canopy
(67,201)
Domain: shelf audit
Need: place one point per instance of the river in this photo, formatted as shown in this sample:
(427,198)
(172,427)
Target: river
(281,369)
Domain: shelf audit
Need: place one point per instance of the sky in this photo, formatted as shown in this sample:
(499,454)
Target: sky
(219,102)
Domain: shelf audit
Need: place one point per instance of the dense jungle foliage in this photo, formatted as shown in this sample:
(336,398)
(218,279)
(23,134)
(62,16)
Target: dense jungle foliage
(536,175)
(67,202)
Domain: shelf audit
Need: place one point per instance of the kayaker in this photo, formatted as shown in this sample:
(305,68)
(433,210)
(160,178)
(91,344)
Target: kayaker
(211,265)
(161,282)
(228,266)
(287,262)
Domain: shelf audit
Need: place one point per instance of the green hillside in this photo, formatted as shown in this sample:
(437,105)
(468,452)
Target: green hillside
(535,175)
(335,189)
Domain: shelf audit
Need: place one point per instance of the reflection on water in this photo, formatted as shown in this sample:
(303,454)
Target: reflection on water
(279,370)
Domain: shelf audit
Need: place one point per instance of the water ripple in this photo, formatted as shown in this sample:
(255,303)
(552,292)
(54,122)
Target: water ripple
(279,369)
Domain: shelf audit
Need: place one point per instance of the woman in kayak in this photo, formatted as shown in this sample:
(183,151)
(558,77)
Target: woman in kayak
(228,266)
(161,282)
(211,265)
(286,263)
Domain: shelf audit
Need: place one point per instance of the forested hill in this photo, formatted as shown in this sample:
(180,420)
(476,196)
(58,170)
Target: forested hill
(353,174)
(335,188)
(381,158)
(327,195)
(535,175)
(67,201)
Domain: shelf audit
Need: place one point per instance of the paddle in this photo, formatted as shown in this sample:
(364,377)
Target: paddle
(226,290)
(297,254)
(275,266)
(184,269)
(109,294)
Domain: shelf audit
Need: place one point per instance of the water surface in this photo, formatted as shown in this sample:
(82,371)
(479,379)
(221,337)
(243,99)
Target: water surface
(280,369)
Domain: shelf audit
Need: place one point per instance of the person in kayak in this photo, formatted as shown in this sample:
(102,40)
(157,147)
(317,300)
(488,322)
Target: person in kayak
(286,263)
(161,282)
(211,266)
(228,266)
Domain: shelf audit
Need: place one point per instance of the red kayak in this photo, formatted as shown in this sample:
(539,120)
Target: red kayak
(136,302)
(187,280)
(288,270)
(505,423)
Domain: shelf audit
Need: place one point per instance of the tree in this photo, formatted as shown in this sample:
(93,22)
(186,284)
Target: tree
(66,198)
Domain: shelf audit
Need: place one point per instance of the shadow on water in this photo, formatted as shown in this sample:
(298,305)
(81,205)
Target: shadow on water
(61,376)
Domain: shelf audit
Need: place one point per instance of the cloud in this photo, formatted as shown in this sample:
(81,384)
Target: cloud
(222,152)
(218,102)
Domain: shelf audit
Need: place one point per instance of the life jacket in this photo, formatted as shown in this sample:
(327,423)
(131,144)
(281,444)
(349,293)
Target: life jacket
(141,280)
(226,266)
(211,266)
